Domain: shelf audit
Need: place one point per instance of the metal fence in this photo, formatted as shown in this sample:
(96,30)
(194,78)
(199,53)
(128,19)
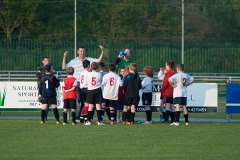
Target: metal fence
(199,57)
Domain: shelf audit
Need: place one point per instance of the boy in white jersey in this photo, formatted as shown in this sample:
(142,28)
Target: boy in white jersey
(94,93)
(179,82)
(147,84)
(111,83)
(83,88)
(161,74)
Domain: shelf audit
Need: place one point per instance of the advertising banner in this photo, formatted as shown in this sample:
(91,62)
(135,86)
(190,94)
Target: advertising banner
(202,97)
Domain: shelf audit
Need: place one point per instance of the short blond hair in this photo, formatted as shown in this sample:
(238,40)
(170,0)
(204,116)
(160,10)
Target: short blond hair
(70,70)
(133,67)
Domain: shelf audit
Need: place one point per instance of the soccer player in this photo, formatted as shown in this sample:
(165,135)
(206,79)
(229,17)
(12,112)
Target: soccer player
(47,89)
(111,82)
(167,92)
(69,95)
(39,75)
(101,68)
(126,115)
(147,84)
(83,88)
(161,74)
(180,82)
(120,102)
(94,94)
(132,85)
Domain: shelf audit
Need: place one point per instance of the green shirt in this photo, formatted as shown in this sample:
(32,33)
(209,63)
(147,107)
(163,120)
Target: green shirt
(123,63)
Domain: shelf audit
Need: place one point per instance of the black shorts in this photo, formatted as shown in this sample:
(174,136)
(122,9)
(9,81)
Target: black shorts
(52,100)
(84,94)
(168,100)
(110,103)
(70,104)
(180,100)
(128,101)
(94,96)
(147,98)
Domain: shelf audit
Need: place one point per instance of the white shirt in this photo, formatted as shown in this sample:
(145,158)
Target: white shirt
(83,79)
(111,82)
(181,80)
(147,84)
(94,80)
(161,75)
(76,63)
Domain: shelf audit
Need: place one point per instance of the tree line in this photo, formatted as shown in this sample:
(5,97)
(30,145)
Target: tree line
(119,20)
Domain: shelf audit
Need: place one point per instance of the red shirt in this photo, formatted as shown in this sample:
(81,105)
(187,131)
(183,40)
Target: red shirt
(68,83)
(167,89)
(120,94)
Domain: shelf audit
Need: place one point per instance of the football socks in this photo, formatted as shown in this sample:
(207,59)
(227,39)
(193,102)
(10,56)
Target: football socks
(43,115)
(129,115)
(186,118)
(73,116)
(64,116)
(124,116)
(55,111)
(177,116)
(132,116)
(167,115)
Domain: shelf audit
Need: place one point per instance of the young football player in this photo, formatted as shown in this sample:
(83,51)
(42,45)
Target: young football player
(94,94)
(47,89)
(39,75)
(111,82)
(180,82)
(147,84)
(83,88)
(132,85)
(69,95)
(167,92)
(120,102)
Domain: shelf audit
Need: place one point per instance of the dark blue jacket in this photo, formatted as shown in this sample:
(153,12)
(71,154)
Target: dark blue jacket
(48,86)
(132,84)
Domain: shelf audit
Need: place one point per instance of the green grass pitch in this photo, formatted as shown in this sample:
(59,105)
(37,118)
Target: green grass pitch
(28,140)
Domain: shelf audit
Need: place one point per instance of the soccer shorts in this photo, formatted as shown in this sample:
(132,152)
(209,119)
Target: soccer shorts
(168,100)
(70,104)
(94,96)
(147,98)
(51,100)
(110,103)
(119,106)
(84,94)
(128,101)
(180,100)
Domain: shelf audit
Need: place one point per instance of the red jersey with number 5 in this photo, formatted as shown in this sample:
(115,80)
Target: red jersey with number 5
(167,89)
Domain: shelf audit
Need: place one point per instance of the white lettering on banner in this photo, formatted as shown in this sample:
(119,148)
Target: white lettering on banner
(25,95)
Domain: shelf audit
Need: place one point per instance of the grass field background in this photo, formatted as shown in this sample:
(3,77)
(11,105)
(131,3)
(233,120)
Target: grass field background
(29,140)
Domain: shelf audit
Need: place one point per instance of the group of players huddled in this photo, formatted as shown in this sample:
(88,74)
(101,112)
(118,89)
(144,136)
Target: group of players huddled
(114,92)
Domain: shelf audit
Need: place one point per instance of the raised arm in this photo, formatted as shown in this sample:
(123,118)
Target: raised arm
(64,61)
(101,55)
